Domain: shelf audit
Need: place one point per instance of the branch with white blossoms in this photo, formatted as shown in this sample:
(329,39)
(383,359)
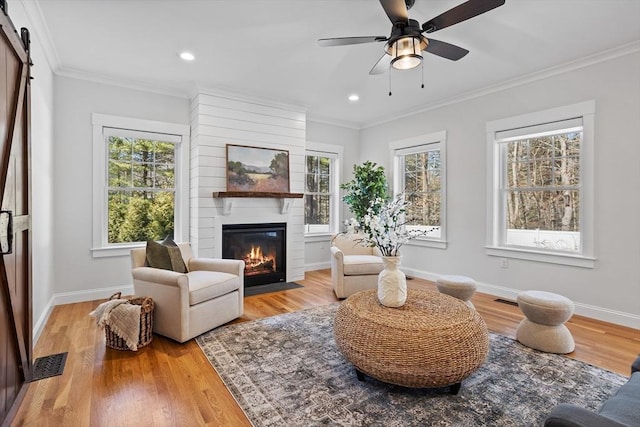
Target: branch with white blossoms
(386,229)
(351,226)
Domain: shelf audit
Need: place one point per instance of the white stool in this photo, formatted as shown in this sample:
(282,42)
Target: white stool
(543,327)
(460,287)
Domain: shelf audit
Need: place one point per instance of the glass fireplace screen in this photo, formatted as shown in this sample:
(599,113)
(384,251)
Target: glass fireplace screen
(262,247)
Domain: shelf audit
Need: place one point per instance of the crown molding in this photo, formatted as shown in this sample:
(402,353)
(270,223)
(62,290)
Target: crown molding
(624,50)
(334,122)
(129,84)
(40,29)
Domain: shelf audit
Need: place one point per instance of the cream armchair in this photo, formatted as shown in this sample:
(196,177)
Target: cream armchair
(189,304)
(354,267)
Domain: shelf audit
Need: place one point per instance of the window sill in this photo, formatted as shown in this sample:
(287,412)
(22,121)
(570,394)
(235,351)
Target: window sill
(427,243)
(114,251)
(539,256)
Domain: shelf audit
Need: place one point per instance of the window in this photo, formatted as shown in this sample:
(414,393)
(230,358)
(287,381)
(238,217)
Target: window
(321,190)
(419,171)
(140,186)
(139,179)
(541,186)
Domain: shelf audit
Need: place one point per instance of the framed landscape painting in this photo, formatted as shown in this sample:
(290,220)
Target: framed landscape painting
(255,169)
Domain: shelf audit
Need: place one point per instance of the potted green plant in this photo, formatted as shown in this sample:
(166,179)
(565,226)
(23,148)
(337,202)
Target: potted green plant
(369,184)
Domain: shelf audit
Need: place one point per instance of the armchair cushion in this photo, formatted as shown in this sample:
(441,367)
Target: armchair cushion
(358,265)
(206,285)
(165,255)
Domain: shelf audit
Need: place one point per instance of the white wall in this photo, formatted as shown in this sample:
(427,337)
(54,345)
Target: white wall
(42,170)
(316,253)
(79,276)
(611,290)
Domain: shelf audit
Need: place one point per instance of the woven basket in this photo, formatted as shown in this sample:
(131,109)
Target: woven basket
(146,324)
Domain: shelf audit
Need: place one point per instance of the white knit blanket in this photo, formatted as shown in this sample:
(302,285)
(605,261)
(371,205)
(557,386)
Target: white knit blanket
(123,319)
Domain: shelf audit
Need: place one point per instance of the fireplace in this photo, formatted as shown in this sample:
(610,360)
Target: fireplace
(262,247)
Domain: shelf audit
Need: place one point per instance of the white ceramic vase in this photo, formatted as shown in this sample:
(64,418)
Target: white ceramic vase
(392,283)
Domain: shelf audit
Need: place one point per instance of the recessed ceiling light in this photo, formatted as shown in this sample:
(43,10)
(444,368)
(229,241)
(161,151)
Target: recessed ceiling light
(353,97)
(187,56)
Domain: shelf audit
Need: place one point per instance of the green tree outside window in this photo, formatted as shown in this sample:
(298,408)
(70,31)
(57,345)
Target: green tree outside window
(141,193)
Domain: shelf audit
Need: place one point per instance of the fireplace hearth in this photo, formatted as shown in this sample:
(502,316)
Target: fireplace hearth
(262,247)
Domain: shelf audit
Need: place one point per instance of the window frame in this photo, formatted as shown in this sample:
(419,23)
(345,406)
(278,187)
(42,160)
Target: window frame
(334,152)
(100,122)
(418,144)
(496,215)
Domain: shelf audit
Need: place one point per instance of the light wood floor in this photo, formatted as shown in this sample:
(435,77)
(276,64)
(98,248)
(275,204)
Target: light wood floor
(170,384)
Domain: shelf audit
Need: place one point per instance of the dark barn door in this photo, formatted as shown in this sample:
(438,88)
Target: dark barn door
(15,238)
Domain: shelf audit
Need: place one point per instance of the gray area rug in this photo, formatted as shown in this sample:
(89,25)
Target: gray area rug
(286,371)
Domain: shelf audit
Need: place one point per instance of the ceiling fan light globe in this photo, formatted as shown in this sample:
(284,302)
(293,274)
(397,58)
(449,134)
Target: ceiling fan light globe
(406,62)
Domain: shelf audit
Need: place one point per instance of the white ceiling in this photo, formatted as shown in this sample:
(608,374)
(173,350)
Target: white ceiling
(268,48)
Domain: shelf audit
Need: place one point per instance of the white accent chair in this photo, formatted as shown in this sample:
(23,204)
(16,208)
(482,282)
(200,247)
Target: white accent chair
(354,268)
(190,304)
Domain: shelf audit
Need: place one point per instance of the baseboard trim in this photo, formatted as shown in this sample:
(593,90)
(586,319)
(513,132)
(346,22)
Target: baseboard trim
(38,327)
(317,266)
(600,313)
(591,311)
(629,320)
(425,275)
(91,294)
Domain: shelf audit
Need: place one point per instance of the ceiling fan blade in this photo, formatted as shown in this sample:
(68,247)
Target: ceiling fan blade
(445,50)
(342,41)
(396,10)
(382,65)
(460,13)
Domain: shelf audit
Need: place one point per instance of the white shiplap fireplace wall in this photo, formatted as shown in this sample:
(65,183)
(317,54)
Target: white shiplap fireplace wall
(221,119)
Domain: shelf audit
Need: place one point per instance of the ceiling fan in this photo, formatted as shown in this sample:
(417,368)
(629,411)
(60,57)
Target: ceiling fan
(406,42)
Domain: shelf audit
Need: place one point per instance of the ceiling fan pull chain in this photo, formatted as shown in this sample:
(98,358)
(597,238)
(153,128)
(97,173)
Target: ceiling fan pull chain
(390,81)
(422,64)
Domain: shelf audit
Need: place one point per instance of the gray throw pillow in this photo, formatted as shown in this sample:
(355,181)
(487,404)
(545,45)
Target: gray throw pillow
(165,255)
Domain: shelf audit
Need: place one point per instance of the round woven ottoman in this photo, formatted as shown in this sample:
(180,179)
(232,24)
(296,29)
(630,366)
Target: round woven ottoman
(543,327)
(434,340)
(460,287)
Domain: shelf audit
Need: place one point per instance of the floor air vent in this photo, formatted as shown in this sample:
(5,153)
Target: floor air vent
(49,366)
(506,301)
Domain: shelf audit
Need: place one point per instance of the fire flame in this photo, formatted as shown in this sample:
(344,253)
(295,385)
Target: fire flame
(255,260)
(256,253)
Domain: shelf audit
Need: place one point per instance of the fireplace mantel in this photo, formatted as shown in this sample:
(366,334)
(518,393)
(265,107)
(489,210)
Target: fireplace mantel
(256,194)
(227,199)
